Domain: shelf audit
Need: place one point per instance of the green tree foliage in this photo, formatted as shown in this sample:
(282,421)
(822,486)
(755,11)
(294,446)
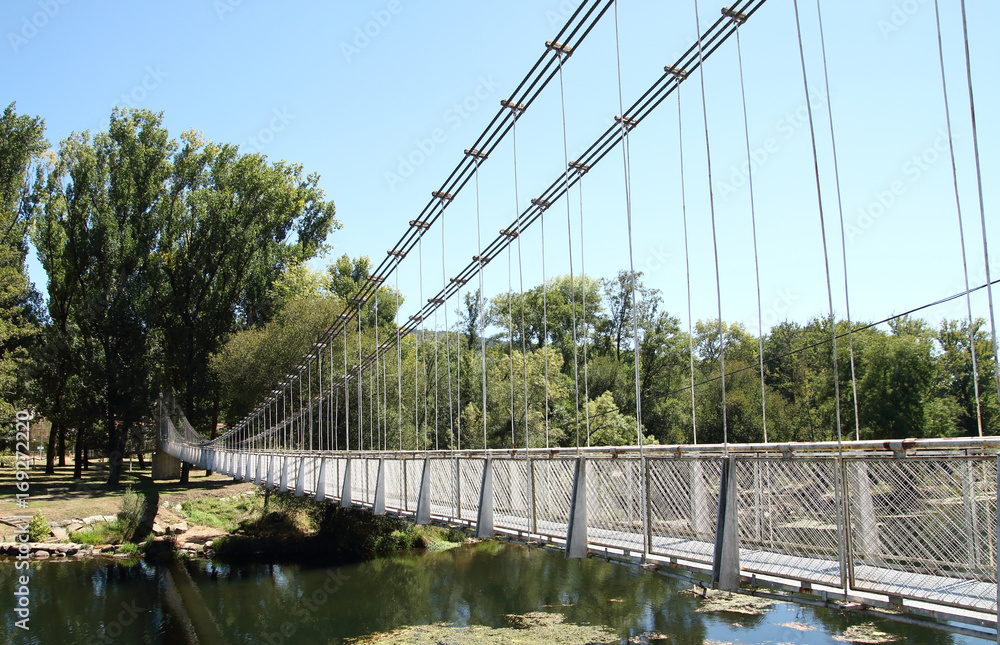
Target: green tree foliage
(156,252)
(21,144)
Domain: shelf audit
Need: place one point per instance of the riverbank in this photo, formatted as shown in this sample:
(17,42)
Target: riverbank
(212,516)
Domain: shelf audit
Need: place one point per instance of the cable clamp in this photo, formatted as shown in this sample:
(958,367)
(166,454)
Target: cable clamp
(627,120)
(541,203)
(443,196)
(559,48)
(416,223)
(678,73)
(506,232)
(578,166)
(736,16)
(512,105)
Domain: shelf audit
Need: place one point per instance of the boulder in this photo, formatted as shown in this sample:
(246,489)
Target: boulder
(41,554)
(158,530)
(60,533)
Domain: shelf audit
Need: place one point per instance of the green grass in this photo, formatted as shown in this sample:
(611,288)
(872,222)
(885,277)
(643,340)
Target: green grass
(129,549)
(99,533)
(221,514)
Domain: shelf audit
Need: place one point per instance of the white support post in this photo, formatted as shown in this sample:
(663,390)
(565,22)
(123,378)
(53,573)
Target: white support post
(345,493)
(321,481)
(378,508)
(260,464)
(424,497)
(283,485)
(300,478)
(484,518)
(726,563)
(576,535)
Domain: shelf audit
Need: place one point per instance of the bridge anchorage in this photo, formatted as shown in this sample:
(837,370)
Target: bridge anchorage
(900,529)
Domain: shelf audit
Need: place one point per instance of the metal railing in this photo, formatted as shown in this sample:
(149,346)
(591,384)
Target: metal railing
(904,524)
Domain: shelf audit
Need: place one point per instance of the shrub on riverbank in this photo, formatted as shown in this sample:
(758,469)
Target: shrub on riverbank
(38,527)
(294,528)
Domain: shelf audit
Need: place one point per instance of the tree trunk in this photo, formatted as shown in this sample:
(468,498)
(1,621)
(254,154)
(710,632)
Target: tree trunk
(215,423)
(62,445)
(78,457)
(142,462)
(116,456)
(50,451)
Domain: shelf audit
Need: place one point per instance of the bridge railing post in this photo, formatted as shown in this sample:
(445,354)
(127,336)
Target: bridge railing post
(726,563)
(424,497)
(576,534)
(484,518)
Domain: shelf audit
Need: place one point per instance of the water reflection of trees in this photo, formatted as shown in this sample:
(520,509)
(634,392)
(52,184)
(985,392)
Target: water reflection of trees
(477,585)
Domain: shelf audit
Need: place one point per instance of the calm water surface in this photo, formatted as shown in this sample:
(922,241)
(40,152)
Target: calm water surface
(101,602)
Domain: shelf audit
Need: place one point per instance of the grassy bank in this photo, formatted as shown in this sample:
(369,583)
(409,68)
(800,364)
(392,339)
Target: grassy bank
(211,515)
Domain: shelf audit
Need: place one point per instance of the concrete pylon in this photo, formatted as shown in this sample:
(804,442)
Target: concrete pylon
(272,461)
(300,477)
(484,518)
(321,481)
(378,508)
(424,497)
(345,492)
(576,535)
(260,465)
(283,484)
(726,563)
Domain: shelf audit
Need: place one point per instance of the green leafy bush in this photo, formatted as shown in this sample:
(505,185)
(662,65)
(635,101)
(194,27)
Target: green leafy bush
(38,528)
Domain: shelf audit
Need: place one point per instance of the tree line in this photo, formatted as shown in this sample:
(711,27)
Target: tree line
(560,372)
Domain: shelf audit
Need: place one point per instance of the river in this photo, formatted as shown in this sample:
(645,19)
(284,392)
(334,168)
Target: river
(473,589)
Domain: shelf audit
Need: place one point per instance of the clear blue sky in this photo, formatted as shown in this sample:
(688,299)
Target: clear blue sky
(300,81)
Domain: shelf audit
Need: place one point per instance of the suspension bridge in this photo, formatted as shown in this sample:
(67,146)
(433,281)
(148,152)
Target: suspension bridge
(901,528)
